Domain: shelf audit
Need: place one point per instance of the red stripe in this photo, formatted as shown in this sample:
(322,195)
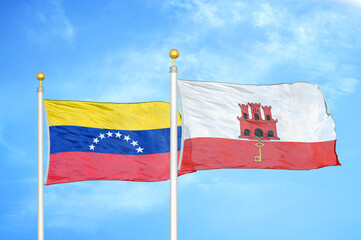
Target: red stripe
(81,166)
(215,153)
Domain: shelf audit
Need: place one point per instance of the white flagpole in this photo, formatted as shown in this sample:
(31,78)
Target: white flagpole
(40,76)
(173,148)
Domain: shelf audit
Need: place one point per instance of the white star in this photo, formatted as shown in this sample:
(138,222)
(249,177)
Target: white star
(92,147)
(126,138)
(139,150)
(117,135)
(134,143)
(96,140)
(109,134)
(101,136)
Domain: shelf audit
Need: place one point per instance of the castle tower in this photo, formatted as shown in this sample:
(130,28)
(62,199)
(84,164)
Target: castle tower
(267,112)
(244,109)
(256,112)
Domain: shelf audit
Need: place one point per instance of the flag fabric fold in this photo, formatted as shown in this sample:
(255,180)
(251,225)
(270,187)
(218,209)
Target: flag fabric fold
(282,126)
(108,141)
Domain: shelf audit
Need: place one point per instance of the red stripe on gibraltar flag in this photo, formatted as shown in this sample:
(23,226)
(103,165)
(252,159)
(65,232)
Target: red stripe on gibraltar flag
(281,126)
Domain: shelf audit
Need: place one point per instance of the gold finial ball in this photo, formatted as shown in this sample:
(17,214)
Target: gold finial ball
(40,76)
(173,53)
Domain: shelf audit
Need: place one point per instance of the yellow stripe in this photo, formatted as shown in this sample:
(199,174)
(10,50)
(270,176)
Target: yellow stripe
(122,116)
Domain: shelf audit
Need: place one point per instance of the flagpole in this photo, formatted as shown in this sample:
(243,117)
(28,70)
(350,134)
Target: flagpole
(173,148)
(40,76)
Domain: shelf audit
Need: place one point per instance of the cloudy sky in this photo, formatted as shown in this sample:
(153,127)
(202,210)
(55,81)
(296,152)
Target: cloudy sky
(118,51)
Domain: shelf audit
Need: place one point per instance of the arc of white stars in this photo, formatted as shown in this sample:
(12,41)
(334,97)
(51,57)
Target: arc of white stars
(117,135)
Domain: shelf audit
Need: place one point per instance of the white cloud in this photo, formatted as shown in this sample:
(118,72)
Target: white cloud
(222,68)
(210,13)
(13,151)
(53,22)
(311,42)
(302,40)
(213,186)
(134,75)
(352,2)
(348,85)
(83,205)
(338,87)
(267,16)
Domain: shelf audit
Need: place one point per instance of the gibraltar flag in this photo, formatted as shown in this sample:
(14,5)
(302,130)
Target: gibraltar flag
(281,126)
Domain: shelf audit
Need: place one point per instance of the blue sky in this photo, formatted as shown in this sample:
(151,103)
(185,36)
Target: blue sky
(118,51)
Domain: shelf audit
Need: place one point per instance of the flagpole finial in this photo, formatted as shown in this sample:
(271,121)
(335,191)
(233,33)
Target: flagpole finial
(173,54)
(40,76)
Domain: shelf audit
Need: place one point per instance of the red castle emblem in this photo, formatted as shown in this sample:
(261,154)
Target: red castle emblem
(257,127)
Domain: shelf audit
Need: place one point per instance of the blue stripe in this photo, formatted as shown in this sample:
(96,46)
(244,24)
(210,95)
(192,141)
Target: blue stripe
(80,139)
